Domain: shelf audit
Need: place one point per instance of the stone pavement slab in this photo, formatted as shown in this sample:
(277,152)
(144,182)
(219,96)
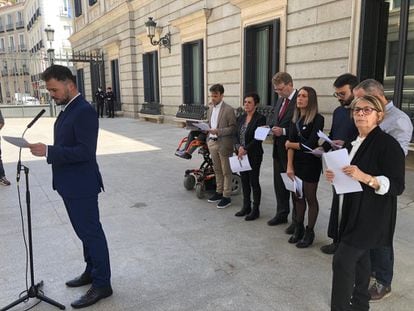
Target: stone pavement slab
(170,250)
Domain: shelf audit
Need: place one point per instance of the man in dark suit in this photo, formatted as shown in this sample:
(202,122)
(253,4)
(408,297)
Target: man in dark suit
(283,113)
(77,179)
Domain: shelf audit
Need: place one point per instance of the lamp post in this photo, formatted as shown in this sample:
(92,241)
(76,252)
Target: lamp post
(50,36)
(165,41)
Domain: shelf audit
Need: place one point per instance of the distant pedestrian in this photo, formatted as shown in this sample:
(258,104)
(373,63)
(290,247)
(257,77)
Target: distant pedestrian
(100,101)
(110,102)
(3,179)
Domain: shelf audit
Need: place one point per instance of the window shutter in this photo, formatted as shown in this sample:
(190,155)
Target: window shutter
(201,85)
(147,77)
(186,61)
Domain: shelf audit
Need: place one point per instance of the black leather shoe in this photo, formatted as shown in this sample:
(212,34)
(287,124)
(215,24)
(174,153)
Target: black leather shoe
(329,249)
(307,239)
(291,229)
(243,212)
(254,214)
(83,279)
(298,234)
(277,220)
(92,296)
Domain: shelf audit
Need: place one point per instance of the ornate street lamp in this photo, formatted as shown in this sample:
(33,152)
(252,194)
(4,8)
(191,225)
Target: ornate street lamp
(50,36)
(152,28)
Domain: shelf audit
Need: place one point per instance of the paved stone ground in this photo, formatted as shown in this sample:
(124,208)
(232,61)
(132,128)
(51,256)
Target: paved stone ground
(170,250)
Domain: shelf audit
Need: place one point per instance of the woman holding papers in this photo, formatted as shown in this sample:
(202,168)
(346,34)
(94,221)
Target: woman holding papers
(306,123)
(246,144)
(368,217)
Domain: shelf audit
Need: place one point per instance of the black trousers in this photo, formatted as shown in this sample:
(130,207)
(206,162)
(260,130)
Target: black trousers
(2,174)
(100,108)
(282,195)
(250,183)
(111,109)
(351,273)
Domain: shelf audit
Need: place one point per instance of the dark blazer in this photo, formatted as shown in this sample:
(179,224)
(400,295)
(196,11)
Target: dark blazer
(254,147)
(226,125)
(368,219)
(73,154)
(279,150)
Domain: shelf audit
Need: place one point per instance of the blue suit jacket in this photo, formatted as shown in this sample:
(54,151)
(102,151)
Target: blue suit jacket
(73,154)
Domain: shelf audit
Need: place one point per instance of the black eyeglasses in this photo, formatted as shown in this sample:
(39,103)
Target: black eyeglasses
(365,110)
(339,94)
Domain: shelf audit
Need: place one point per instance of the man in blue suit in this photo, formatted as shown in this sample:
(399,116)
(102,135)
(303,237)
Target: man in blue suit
(77,179)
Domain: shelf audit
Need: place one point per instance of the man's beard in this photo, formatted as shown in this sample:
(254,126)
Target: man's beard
(63,102)
(347,102)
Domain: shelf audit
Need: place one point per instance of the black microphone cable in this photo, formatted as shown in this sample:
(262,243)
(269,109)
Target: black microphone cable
(26,247)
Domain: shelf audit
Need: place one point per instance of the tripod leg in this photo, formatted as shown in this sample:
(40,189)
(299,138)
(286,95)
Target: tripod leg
(15,303)
(50,301)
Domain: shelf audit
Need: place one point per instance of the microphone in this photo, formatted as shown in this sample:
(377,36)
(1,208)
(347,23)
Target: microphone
(36,118)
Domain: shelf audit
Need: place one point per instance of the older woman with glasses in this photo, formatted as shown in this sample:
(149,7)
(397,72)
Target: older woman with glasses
(368,217)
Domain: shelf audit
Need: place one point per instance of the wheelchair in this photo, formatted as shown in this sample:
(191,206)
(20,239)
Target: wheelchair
(203,179)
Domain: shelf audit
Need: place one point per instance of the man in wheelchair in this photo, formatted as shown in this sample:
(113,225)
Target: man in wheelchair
(195,139)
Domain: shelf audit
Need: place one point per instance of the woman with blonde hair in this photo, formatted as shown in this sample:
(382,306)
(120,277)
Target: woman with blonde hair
(306,123)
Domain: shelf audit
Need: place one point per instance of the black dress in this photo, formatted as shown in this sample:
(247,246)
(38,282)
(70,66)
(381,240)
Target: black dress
(307,166)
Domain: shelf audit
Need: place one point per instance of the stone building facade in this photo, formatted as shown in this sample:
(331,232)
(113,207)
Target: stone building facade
(239,43)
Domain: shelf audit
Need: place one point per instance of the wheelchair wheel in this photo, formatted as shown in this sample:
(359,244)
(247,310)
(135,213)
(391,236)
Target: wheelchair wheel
(200,190)
(189,182)
(236,184)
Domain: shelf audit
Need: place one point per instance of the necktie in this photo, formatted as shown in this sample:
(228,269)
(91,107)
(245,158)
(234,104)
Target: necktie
(284,108)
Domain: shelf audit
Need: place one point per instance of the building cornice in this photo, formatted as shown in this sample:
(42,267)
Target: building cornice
(192,26)
(108,17)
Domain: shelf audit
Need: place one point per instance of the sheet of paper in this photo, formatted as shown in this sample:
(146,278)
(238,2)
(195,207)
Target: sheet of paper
(261,132)
(202,126)
(293,185)
(189,125)
(323,136)
(239,165)
(316,152)
(335,161)
(17,141)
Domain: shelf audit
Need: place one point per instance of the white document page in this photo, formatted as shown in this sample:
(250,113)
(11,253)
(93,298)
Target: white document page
(293,185)
(239,165)
(315,152)
(17,141)
(335,161)
(323,136)
(202,126)
(261,132)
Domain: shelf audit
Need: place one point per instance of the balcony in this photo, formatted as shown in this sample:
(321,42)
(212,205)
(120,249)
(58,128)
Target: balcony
(20,24)
(2,50)
(4,72)
(22,48)
(12,49)
(9,27)
(1,28)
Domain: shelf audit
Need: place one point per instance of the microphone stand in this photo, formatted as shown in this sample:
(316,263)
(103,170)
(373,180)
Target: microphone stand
(34,289)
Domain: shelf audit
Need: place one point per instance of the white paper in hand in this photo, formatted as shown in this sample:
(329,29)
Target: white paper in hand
(17,141)
(335,161)
(239,165)
(323,136)
(202,126)
(261,132)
